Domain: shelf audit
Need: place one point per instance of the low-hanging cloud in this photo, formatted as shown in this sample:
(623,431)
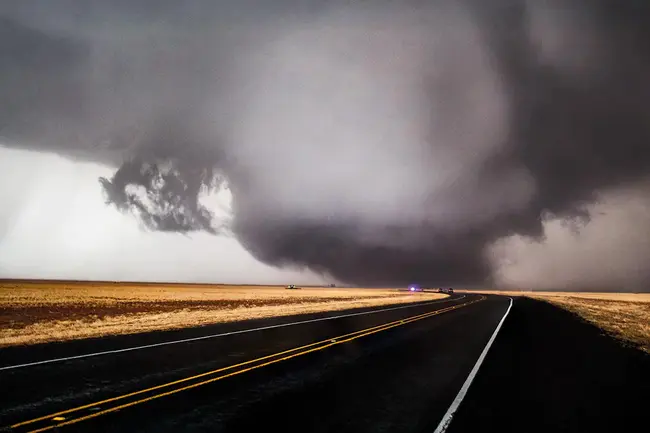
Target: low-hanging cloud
(379,143)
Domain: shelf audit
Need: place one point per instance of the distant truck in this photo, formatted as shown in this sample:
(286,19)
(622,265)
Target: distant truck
(415,288)
(292,287)
(447,290)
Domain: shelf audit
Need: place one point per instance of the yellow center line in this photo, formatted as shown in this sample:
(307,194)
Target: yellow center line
(309,348)
(68,411)
(219,370)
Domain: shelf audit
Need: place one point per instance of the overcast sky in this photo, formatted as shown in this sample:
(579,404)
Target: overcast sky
(379,142)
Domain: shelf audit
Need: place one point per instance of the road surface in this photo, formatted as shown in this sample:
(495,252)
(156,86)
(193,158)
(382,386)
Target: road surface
(384,369)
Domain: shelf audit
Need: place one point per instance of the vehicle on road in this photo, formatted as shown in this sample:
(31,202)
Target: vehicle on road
(447,290)
(415,288)
(292,287)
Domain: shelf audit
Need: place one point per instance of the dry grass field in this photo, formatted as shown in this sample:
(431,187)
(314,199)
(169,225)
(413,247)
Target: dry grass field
(623,315)
(37,312)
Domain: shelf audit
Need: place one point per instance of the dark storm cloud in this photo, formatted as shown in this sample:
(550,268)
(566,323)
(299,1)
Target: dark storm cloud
(382,142)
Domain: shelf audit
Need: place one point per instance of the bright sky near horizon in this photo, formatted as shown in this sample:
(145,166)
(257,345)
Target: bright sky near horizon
(54,224)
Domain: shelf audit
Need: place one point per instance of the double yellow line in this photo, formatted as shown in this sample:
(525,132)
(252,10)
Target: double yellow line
(59,419)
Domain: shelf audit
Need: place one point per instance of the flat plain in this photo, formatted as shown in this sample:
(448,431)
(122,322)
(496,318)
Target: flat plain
(45,311)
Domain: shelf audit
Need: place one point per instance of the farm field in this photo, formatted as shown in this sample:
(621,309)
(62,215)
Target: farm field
(39,312)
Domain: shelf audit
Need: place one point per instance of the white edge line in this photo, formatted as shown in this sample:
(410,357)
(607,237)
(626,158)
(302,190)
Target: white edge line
(205,337)
(446,420)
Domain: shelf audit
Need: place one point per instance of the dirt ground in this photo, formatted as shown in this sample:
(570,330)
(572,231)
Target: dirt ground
(625,316)
(37,312)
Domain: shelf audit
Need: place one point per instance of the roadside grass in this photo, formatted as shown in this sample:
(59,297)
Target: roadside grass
(39,312)
(625,316)
(627,320)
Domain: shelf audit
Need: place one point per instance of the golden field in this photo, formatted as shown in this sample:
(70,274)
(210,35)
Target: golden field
(623,315)
(38,312)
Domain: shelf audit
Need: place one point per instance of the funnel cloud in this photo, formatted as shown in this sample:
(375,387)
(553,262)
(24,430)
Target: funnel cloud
(378,142)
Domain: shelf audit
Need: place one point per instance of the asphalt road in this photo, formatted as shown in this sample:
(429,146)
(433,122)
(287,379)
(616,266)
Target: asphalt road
(550,371)
(398,369)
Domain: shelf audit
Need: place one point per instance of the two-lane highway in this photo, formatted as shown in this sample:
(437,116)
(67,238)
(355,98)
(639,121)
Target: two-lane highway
(390,368)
